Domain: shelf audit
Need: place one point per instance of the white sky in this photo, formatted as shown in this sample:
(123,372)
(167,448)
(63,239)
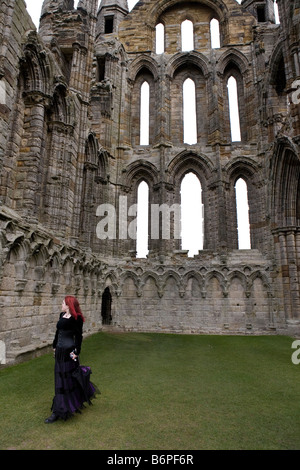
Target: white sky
(34,8)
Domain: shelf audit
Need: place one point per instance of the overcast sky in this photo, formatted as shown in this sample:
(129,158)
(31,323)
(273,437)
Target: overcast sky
(34,8)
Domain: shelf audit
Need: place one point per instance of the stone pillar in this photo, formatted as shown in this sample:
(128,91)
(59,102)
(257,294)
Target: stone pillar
(30,162)
(78,78)
(284,274)
(289,247)
(293,274)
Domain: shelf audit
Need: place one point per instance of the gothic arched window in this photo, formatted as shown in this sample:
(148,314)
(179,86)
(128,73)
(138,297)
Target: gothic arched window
(142,245)
(187,36)
(192,221)
(159,38)
(189,112)
(144,113)
(234,115)
(242,209)
(215,34)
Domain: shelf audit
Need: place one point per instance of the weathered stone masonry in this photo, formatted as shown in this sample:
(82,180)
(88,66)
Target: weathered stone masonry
(69,141)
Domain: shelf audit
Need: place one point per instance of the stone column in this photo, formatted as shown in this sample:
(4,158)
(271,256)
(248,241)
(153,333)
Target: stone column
(293,274)
(285,275)
(30,157)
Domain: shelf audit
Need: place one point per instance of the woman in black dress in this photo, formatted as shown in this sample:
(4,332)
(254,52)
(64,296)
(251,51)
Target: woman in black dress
(69,394)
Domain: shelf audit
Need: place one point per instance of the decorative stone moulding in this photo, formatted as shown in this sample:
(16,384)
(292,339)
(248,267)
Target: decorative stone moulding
(20,285)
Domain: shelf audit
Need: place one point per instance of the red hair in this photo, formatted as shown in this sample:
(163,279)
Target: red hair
(74,307)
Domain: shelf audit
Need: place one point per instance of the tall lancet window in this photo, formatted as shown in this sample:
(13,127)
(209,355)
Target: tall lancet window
(187,36)
(215,33)
(142,247)
(242,210)
(234,110)
(192,215)
(159,38)
(189,112)
(144,113)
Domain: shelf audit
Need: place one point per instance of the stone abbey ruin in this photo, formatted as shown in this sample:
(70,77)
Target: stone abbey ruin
(72,161)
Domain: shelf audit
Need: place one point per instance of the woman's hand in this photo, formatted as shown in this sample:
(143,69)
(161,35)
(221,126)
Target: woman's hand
(73,356)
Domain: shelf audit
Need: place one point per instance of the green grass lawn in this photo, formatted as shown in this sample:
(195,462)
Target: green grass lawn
(162,392)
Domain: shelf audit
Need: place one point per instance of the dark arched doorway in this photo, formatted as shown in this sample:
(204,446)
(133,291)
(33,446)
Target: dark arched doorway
(106,307)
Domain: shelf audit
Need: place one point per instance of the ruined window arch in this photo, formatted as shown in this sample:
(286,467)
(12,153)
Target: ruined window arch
(101,66)
(159,38)
(189,112)
(286,189)
(192,214)
(59,107)
(144,113)
(279,78)
(242,210)
(198,103)
(143,120)
(234,114)
(275,100)
(108,24)
(215,33)
(187,36)
(142,221)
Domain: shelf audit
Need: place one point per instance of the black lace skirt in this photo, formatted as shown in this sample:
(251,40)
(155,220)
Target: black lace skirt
(69,394)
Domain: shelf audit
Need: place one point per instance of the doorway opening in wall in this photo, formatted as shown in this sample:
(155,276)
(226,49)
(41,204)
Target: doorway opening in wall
(106,307)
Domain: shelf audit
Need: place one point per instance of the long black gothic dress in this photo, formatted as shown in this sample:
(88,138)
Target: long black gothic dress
(69,395)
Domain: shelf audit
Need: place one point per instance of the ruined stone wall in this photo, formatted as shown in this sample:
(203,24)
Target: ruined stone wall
(207,294)
(14,25)
(44,131)
(160,297)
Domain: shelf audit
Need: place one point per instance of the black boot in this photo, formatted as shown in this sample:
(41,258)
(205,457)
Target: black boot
(51,419)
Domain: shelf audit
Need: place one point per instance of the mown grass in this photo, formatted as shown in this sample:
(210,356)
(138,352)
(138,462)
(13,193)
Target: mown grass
(161,391)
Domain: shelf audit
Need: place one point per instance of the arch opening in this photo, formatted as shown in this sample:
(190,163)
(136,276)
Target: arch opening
(192,214)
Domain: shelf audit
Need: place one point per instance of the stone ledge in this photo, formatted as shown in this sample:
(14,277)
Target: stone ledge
(26,353)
